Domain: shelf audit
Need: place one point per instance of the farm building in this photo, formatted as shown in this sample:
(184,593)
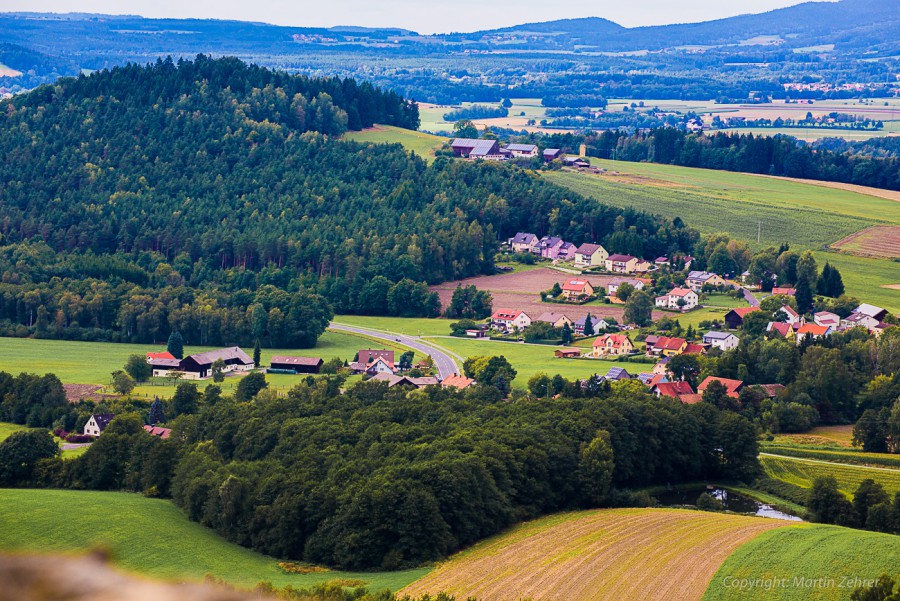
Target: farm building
(590,255)
(163,364)
(567,353)
(721,340)
(577,162)
(784,291)
(297,365)
(612,344)
(469,148)
(522,150)
(575,288)
(199,366)
(551,154)
(97,423)
(733,387)
(734,319)
(525,242)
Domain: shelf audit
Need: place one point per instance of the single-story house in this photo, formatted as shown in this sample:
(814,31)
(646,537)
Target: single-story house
(297,365)
(784,291)
(567,353)
(617,373)
(457,381)
(590,255)
(199,366)
(469,148)
(721,340)
(525,242)
(507,320)
(678,299)
(575,288)
(734,319)
(97,423)
(158,431)
(557,320)
(696,280)
(522,150)
(613,286)
(826,318)
(732,386)
(598,323)
(612,344)
(811,329)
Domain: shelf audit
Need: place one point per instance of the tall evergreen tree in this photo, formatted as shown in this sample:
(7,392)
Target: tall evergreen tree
(257,354)
(157,413)
(588,325)
(807,277)
(176,345)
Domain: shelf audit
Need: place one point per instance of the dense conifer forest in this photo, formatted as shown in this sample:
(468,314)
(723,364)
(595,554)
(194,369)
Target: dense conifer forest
(149,198)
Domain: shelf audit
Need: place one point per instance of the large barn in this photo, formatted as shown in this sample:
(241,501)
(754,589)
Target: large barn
(297,365)
(199,366)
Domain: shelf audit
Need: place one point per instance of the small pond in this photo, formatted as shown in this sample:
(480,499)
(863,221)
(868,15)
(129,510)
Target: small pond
(732,501)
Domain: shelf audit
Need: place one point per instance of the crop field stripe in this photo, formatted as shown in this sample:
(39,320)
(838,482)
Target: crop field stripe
(622,554)
(802,472)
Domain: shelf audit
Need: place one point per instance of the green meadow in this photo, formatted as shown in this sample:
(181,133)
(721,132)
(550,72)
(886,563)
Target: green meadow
(419,142)
(151,537)
(802,472)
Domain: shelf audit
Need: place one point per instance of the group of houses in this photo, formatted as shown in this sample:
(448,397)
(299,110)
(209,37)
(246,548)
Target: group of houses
(97,423)
(379,366)
(793,326)
(492,150)
(510,321)
(585,256)
(199,366)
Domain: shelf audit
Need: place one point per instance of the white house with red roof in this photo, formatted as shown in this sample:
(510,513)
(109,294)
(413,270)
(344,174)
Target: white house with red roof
(508,320)
(679,299)
(791,316)
(812,330)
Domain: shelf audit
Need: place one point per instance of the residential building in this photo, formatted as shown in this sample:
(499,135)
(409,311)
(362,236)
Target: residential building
(693,348)
(661,261)
(469,148)
(612,344)
(199,366)
(771,390)
(613,286)
(734,319)
(457,381)
(566,252)
(696,280)
(407,381)
(791,316)
(678,299)
(871,311)
(621,263)
(662,366)
(158,431)
(524,242)
(812,330)
(668,347)
(721,340)
(550,247)
(522,150)
(673,390)
(557,320)
(508,320)
(374,361)
(780,328)
(598,323)
(784,291)
(732,386)
(575,288)
(590,255)
(617,373)
(97,423)
(860,320)
(826,318)
(297,365)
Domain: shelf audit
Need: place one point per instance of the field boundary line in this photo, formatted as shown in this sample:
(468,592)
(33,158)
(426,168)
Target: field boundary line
(822,462)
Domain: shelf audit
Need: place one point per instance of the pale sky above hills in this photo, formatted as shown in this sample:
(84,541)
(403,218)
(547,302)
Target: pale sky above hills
(424,16)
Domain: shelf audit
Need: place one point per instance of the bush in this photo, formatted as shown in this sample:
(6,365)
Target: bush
(79,438)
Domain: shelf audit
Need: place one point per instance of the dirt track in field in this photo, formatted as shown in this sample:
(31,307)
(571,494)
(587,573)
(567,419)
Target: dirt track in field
(880,241)
(622,554)
(521,291)
(867,190)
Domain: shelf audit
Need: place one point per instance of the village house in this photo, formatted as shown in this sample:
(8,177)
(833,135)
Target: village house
(791,316)
(871,311)
(97,423)
(733,387)
(866,316)
(721,340)
(557,320)
(826,318)
(163,364)
(508,320)
(590,255)
(522,150)
(616,374)
(469,148)
(577,162)
(734,319)
(374,361)
(574,289)
(199,366)
(550,247)
(612,344)
(780,328)
(598,323)
(457,381)
(551,154)
(784,291)
(524,242)
(158,432)
(405,381)
(296,365)
(696,280)
(675,390)
(678,299)
(621,263)
(662,366)
(667,347)
(566,252)
(613,286)
(812,330)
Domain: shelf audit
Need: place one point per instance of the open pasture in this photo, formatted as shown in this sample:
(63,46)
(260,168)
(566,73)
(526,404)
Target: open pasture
(421,143)
(802,472)
(151,537)
(618,554)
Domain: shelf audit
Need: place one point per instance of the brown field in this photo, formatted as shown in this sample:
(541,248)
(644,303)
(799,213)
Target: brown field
(622,554)
(521,291)
(821,436)
(880,241)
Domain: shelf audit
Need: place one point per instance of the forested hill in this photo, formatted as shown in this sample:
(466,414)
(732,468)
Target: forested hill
(205,174)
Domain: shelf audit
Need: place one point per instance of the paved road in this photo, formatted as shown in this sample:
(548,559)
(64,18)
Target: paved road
(444,361)
(748,296)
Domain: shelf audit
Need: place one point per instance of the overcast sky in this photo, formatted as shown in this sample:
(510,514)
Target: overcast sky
(424,16)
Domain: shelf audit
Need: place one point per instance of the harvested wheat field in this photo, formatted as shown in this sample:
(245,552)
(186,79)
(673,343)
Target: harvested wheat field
(880,241)
(640,554)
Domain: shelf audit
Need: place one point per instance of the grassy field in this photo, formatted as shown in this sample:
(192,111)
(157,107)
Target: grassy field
(92,362)
(807,552)
(802,472)
(6,430)
(421,143)
(618,554)
(833,453)
(866,278)
(839,436)
(150,537)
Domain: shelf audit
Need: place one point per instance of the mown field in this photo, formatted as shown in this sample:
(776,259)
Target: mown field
(833,453)
(92,362)
(150,537)
(419,142)
(839,436)
(802,472)
(804,562)
(6,430)
(592,555)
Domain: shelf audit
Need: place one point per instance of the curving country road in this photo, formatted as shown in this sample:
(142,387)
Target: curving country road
(444,361)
